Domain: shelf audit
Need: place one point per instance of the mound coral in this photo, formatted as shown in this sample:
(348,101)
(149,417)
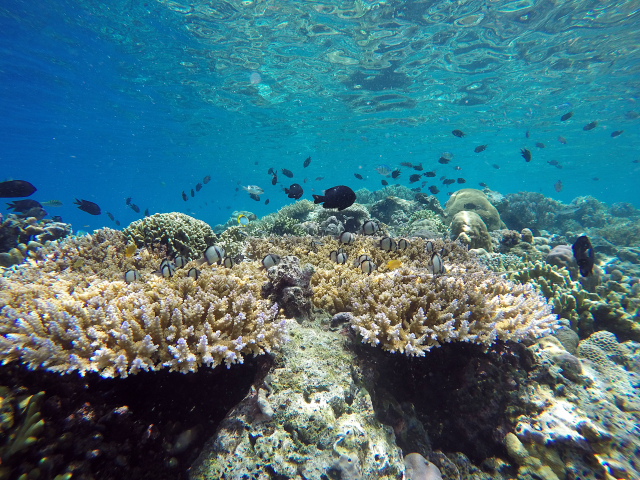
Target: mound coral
(66,315)
(409,310)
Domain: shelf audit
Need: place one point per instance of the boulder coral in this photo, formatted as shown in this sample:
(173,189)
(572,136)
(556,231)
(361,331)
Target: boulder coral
(469,229)
(474,200)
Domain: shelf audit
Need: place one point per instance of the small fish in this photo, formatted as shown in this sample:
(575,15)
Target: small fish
(228,262)
(131,276)
(461,180)
(266,202)
(274,179)
(319,178)
(254,197)
(480,148)
(253,189)
(562,140)
(417,189)
(369,227)
(52,203)
(414,178)
(552,162)
(448,181)
(286,173)
(362,258)
(135,208)
(437,264)
(584,255)
(418,167)
(383,170)
(595,179)
(255,163)
(294,191)
(590,126)
(558,186)
(127,201)
(306,162)
(457,168)
(424,183)
(384,182)
(305,180)
(346,238)
(393,264)
(484,185)
(146,212)
(16,188)
(432,173)
(526,154)
(167,269)
(403,244)
(632,115)
(87,206)
(243,220)
(193,273)
(406,164)
(566,116)
(433,189)
(387,244)
(271,171)
(110,215)
(458,133)
(206,179)
(270,260)
(358,176)
(635,161)
(527,134)
(470,206)
(338,257)
(539,144)
(444,160)
(367,266)
(613,135)
(198,187)
(184,196)
(339,197)
(429,246)
(214,254)
(395,173)
(180,261)
(118,223)
(129,250)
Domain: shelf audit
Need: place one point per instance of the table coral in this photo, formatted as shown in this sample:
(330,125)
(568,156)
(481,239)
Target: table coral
(61,318)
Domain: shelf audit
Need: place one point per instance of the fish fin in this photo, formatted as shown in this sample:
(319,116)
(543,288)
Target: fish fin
(318,199)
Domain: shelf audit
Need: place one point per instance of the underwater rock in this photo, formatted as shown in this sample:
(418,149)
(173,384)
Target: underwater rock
(289,287)
(385,209)
(464,198)
(562,256)
(469,228)
(526,235)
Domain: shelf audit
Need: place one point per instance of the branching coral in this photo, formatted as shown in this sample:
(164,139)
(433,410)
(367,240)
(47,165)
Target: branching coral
(66,319)
(408,309)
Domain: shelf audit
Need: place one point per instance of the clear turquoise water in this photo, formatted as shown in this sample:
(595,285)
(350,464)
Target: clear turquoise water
(106,100)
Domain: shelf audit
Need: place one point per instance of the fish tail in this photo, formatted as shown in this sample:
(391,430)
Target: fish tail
(318,199)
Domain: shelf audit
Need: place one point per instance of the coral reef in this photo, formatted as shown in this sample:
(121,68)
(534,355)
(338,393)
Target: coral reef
(529,210)
(86,318)
(424,224)
(392,210)
(469,229)
(409,310)
(470,199)
(309,417)
(289,287)
(180,233)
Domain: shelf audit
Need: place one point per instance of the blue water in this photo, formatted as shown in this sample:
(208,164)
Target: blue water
(104,101)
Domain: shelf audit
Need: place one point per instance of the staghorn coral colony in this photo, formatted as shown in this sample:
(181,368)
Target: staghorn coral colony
(528,341)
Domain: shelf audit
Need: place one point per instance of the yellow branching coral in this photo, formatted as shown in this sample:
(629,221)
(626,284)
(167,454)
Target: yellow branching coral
(409,310)
(66,319)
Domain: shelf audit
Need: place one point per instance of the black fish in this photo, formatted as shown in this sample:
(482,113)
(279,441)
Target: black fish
(127,201)
(539,144)
(414,178)
(527,134)
(274,180)
(206,179)
(590,126)
(444,160)
(87,206)
(198,187)
(339,197)
(135,208)
(56,218)
(635,161)
(266,202)
(193,194)
(184,196)
(406,164)
(462,180)
(482,184)
(358,176)
(287,173)
(418,167)
(566,116)
(16,188)
(23,205)
(448,181)
(319,178)
(432,173)
(616,133)
(526,154)
(480,148)
(385,183)
(395,173)
(110,215)
(255,197)
(146,212)
(271,171)
(433,189)
(118,223)
(458,133)
(457,168)
(255,163)
(583,253)
(306,162)
(294,191)
(423,183)
(496,166)
(552,162)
